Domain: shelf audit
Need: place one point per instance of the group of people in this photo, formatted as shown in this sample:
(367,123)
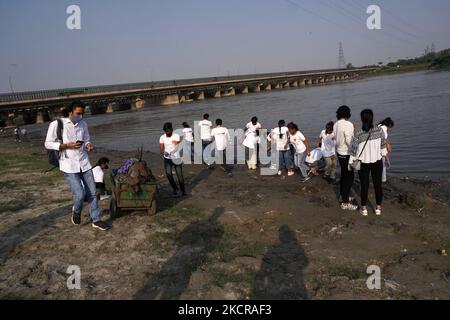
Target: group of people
(364,150)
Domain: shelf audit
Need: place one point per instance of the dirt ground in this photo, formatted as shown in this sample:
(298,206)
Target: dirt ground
(244,237)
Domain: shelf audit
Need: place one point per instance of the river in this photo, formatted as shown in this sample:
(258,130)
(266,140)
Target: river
(419,103)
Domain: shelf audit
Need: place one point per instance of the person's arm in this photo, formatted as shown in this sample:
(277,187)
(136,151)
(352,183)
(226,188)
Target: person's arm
(87,138)
(348,134)
(354,147)
(384,151)
(161,148)
(51,140)
(319,141)
(308,146)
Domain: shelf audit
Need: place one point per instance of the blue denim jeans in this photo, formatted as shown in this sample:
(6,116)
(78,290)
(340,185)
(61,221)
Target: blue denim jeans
(83,185)
(285,160)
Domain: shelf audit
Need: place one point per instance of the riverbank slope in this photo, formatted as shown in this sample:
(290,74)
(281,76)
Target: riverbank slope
(244,237)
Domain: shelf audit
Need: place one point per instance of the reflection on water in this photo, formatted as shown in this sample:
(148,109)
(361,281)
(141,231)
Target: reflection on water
(419,103)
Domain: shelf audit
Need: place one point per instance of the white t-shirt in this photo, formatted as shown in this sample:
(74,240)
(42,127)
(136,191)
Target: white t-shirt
(385,130)
(253,127)
(315,155)
(221,136)
(343,131)
(98,174)
(205,129)
(251,140)
(328,144)
(188,136)
(282,144)
(170,148)
(298,141)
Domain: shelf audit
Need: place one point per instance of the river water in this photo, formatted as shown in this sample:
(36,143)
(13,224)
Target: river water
(419,103)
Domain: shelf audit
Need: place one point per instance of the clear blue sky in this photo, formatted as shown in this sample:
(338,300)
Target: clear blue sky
(143,40)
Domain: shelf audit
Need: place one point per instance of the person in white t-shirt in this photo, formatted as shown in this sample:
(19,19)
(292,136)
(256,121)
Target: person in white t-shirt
(188,138)
(221,137)
(99,177)
(280,137)
(327,144)
(168,147)
(205,133)
(386,125)
(251,142)
(302,149)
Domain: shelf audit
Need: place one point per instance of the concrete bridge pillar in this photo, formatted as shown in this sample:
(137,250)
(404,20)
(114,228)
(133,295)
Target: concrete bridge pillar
(40,117)
(268,87)
(138,104)
(229,92)
(110,108)
(322,80)
(244,90)
(186,98)
(286,85)
(170,100)
(294,84)
(256,88)
(217,94)
(199,96)
(277,86)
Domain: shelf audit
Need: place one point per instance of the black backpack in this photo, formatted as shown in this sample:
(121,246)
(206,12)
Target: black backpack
(54,155)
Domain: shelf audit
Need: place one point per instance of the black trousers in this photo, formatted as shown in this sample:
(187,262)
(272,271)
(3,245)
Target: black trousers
(347,178)
(168,167)
(376,170)
(222,159)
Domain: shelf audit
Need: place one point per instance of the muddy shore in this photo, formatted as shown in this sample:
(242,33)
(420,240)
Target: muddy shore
(245,237)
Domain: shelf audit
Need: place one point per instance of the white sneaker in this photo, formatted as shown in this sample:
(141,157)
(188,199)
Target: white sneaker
(364,212)
(280,172)
(378,212)
(349,207)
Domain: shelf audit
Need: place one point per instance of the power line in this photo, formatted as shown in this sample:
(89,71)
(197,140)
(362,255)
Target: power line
(399,22)
(346,12)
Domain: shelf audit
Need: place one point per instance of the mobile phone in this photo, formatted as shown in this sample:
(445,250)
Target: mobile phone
(80,142)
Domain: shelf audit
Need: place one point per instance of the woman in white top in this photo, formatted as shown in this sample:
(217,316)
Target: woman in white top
(369,147)
(280,136)
(302,149)
(386,125)
(251,142)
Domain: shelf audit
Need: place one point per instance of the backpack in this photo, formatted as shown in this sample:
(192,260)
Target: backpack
(54,155)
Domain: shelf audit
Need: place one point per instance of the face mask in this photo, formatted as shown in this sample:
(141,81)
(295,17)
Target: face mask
(77,118)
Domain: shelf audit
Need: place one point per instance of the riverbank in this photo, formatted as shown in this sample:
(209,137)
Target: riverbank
(244,237)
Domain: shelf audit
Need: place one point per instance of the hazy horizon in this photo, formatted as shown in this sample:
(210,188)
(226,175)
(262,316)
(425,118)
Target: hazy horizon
(139,41)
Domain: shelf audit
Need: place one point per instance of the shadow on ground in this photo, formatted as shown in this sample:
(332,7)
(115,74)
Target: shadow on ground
(28,229)
(193,245)
(281,274)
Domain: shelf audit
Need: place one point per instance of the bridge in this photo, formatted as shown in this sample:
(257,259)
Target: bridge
(45,105)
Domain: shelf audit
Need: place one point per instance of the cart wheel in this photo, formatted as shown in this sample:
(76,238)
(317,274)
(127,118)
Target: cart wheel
(115,211)
(152,210)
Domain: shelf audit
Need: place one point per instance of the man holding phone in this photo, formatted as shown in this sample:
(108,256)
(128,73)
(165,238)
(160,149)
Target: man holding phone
(74,162)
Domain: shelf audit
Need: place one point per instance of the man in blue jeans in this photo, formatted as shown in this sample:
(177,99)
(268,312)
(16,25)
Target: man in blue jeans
(74,161)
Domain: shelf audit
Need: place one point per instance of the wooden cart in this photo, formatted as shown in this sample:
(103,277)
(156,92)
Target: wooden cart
(124,199)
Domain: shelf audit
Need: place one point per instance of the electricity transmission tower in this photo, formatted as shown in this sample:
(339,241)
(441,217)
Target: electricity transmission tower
(341,64)
(433,48)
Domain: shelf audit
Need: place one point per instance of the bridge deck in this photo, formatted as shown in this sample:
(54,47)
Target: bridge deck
(15,100)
